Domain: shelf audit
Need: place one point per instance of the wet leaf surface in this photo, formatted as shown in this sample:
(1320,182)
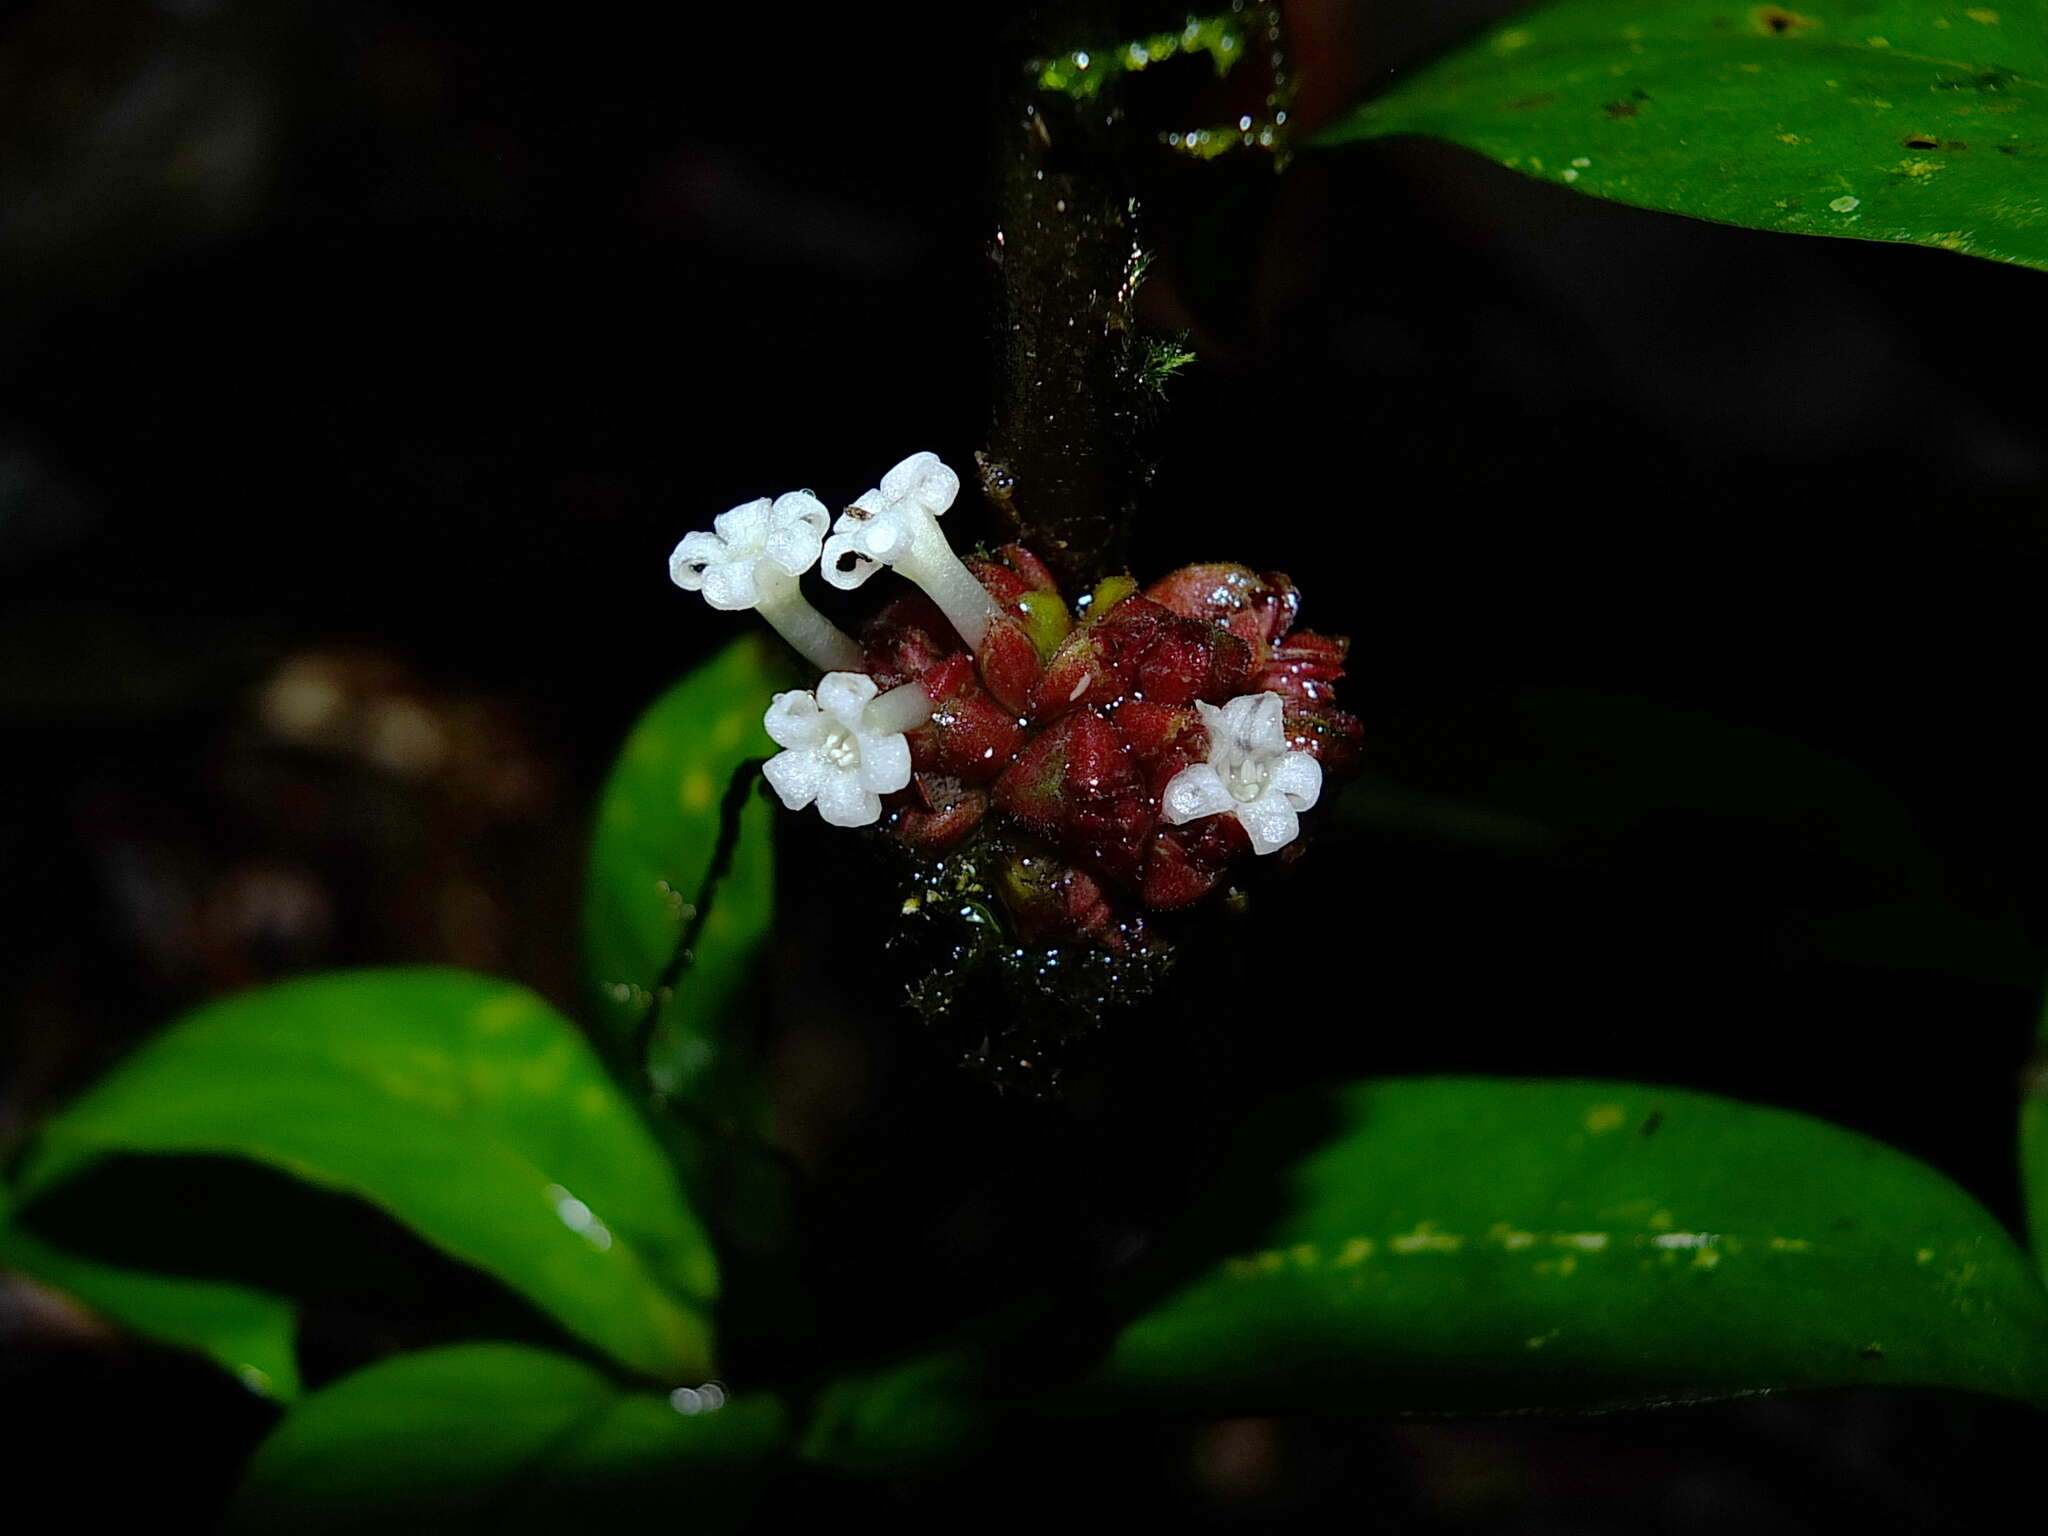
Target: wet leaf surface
(1887,121)
(1474,1244)
(464,1107)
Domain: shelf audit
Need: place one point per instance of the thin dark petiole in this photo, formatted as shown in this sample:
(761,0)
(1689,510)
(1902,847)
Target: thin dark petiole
(736,791)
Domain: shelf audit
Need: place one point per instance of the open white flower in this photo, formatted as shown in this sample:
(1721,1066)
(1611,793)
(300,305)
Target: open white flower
(1251,774)
(897,524)
(752,559)
(843,747)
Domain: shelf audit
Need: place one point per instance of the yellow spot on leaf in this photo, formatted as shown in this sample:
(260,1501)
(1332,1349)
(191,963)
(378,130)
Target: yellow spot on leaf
(1356,1251)
(1983,16)
(1253,1265)
(1426,1239)
(1605,1117)
(697,793)
(500,1014)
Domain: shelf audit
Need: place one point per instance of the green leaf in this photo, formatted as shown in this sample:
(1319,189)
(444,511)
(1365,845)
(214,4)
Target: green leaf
(247,1331)
(1480,1244)
(466,1108)
(504,1438)
(657,828)
(1893,120)
(913,1415)
(1571,772)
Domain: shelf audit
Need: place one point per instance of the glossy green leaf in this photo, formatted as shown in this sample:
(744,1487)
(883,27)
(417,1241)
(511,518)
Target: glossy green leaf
(504,1438)
(657,829)
(466,1108)
(1481,1244)
(1881,120)
(247,1331)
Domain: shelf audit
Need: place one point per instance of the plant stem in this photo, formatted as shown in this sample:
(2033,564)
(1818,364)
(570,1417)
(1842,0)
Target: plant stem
(1062,463)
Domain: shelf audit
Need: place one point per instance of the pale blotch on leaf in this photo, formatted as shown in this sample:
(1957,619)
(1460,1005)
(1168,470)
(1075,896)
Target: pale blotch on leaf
(501,1014)
(1605,1117)
(697,793)
(1426,1239)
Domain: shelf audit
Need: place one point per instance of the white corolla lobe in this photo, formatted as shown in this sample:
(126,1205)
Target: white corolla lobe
(897,524)
(1251,774)
(752,558)
(843,746)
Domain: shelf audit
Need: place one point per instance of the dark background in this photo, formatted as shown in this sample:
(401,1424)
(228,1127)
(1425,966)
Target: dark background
(359,365)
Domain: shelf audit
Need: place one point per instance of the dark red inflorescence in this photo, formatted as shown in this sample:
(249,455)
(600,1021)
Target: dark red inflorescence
(1062,738)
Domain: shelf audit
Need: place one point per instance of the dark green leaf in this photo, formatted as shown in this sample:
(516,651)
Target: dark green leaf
(1577,772)
(1479,1244)
(466,1108)
(247,1331)
(657,827)
(1893,120)
(503,1438)
(913,1415)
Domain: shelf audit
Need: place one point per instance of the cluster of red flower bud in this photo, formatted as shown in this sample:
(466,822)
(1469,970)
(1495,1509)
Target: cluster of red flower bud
(1062,737)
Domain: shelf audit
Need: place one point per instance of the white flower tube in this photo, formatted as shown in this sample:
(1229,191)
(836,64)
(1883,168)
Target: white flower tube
(1250,774)
(752,560)
(844,747)
(897,524)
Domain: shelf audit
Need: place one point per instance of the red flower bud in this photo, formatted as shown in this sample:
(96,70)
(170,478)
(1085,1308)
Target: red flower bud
(1067,758)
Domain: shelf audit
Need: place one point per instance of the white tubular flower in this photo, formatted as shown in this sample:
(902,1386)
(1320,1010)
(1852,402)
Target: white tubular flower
(843,747)
(897,524)
(752,560)
(1250,774)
